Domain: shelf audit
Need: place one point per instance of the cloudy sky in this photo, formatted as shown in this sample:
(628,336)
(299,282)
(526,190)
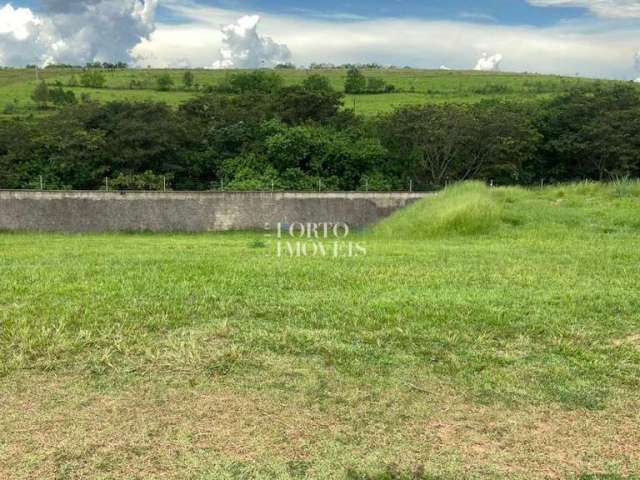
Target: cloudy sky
(598,38)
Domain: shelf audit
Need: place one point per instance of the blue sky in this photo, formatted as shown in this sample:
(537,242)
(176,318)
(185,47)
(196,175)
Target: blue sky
(596,38)
(510,12)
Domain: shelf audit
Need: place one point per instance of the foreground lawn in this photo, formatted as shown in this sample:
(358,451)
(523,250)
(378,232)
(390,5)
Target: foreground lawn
(486,334)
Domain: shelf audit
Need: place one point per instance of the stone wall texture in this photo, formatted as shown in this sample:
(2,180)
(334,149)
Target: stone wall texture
(73,211)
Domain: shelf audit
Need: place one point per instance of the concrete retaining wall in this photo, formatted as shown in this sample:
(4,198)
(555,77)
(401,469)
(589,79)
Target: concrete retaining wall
(189,212)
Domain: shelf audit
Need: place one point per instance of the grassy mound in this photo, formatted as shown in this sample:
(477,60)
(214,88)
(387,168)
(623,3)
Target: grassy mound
(463,209)
(472,208)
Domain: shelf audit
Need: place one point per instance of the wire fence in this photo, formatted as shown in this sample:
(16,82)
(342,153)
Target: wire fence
(40,184)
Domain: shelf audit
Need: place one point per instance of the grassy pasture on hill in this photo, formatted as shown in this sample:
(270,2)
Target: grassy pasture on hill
(487,333)
(414,86)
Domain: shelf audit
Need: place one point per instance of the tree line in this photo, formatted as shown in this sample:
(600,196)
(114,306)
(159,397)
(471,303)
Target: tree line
(256,133)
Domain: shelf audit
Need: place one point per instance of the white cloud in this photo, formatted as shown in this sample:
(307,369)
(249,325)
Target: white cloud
(601,8)
(482,17)
(591,47)
(16,22)
(89,30)
(488,63)
(242,47)
(110,30)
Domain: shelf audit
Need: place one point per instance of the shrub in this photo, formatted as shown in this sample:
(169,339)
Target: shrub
(164,82)
(10,108)
(93,79)
(188,79)
(257,81)
(376,85)
(144,181)
(61,97)
(41,95)
(317,83)
(356,82)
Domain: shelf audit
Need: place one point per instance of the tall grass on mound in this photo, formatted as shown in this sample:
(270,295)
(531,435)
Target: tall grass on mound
(463,209)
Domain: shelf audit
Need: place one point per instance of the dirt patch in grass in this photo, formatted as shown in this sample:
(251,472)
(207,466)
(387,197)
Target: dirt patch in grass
(632,340)
(537,443)
(57,432)
(56,428)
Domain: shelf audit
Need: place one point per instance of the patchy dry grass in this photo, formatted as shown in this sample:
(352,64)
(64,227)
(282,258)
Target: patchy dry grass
(59,428)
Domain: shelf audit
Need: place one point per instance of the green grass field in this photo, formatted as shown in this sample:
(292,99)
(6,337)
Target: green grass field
(486,334)
(415,87)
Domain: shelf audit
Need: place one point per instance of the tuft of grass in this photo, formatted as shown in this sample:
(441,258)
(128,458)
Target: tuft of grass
(468,208)
(257,243)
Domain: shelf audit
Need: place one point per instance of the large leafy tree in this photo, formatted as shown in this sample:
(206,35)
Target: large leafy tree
(355,82)
(296,105)
(591,133)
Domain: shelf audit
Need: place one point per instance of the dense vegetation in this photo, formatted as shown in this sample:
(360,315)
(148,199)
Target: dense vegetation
(255,131)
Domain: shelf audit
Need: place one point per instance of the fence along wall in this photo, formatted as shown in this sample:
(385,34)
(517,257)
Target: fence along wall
(189,212)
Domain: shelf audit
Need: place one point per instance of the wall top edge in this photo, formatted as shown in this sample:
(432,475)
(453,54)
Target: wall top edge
(177,195)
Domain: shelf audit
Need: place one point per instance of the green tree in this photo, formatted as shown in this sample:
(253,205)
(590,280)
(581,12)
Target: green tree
(257,81)
(188,79)
(376,85)
(61,97)
(164,82)
(93,79)
(317,83)
(591,133)
(356,82)
(296,105)
(41,95)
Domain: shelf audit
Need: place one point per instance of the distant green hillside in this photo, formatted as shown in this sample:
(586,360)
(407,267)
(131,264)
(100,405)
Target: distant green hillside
(412,86)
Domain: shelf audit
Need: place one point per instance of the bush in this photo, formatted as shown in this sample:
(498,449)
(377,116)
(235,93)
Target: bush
(493,89)
(317,83)
(93,79)
(10,108)
(356,82)
(144,181)
(41,95)
(376,85)
(375,182)
(296,104)
(165,82)
(188,79)
(257,81)
(61,97)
